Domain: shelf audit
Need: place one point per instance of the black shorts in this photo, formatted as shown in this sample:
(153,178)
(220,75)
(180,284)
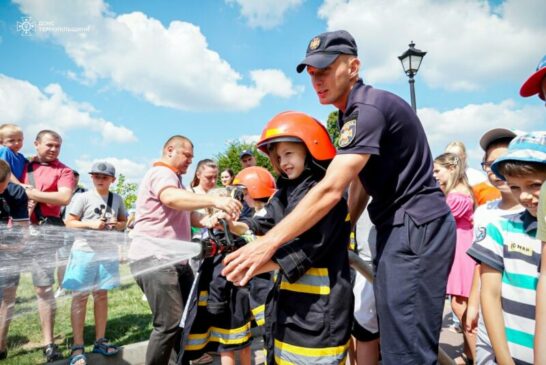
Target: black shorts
(362,334)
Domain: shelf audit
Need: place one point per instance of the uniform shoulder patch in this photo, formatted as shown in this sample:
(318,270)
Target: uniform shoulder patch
(347,133)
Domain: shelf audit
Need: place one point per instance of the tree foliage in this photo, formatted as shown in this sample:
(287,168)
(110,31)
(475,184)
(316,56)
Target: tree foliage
(230,158)
(332,127)
(127,190)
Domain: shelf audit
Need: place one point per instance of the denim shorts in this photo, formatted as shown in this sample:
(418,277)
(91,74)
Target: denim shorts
(86,271)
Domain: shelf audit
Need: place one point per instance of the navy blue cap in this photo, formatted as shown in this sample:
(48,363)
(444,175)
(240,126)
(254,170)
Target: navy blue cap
(326,47)
(246,153)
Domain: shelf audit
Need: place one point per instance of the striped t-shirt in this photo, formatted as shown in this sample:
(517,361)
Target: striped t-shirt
(510,246)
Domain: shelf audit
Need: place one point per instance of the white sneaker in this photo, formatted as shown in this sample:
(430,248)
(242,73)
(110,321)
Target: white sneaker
(144,297)
(60,293)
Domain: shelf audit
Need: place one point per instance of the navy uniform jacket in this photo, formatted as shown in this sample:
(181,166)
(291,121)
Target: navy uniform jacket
(309,311)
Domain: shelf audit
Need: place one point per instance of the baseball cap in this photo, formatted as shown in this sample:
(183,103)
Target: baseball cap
(246,153)
(529,147)
(495,134)
(533,85)
(326,47)
(103,168)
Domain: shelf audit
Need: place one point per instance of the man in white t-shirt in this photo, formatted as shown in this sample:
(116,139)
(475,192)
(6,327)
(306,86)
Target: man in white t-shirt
(164,215)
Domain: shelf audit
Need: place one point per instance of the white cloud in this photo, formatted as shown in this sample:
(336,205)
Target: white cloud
(468,42)
(471,121)
(248,139)
(274,82)
(133,171)
(170,66)
(265,14)
(25,104)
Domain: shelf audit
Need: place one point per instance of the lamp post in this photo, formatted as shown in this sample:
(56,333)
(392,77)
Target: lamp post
(411,60)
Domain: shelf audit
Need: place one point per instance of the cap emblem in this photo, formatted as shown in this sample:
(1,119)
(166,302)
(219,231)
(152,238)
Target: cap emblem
(315,42)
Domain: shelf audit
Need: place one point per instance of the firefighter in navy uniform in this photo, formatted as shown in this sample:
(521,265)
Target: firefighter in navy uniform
(308,313)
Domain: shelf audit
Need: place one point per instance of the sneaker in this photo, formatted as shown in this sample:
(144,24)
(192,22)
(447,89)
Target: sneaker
(60,293)
(144,298)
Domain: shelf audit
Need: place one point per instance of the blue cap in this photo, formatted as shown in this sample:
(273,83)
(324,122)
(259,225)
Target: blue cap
(326,47)
(245,153)
(529,147)
(533,85)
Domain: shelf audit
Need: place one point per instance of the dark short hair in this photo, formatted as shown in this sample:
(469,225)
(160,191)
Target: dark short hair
(5,171)
(512,168)
(53,134)
(177,138)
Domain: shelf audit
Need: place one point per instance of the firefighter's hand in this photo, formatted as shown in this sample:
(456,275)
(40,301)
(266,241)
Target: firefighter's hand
(247,261)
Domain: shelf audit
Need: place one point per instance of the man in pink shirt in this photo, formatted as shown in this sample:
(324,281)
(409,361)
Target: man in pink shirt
(50,185)
(165,210)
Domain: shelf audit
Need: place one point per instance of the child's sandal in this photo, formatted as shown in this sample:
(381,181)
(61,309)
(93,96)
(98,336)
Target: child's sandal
(103,347)
(79,359)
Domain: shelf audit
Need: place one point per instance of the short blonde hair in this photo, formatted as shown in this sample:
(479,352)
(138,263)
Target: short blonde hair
(9,128)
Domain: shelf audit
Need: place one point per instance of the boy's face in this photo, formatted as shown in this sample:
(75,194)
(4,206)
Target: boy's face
(291,158)
(13,140)
(527,190)
(101,181)
(492,155)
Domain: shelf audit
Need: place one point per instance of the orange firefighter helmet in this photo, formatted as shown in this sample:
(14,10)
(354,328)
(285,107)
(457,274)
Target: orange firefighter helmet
(258,181)
(298,127)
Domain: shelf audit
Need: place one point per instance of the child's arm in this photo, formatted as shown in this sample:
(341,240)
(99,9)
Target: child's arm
(473,307)
(493,314)
(73,221)
(540,325)
(14,180)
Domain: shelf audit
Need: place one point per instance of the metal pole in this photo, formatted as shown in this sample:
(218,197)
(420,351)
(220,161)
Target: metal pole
(365,269)
(412,93)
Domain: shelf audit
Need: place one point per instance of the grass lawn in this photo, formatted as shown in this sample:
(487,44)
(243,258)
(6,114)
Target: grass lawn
(129,321)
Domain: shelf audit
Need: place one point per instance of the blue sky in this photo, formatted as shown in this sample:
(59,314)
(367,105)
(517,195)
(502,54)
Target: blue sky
(117,78)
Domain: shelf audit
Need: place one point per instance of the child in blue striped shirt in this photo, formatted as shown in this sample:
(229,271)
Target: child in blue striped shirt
(510,254)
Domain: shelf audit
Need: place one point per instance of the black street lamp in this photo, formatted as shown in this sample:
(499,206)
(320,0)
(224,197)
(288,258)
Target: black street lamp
(411,60)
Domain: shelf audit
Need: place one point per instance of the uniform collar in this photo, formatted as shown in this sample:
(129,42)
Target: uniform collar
(351,100)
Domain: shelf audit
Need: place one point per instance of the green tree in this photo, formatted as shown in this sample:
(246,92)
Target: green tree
(126,189)
(230,158)
(332,127)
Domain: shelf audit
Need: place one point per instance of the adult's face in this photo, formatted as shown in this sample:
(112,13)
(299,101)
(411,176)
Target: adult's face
(181,157)
(441,174)
(333,83)
(226,178)
(492,155)
(248,161)
(207,178)
(48,148)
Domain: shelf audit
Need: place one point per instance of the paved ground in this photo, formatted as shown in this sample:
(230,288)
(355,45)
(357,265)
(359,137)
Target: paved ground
(134,354)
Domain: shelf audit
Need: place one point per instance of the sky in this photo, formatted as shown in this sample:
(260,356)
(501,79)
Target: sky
(117,78)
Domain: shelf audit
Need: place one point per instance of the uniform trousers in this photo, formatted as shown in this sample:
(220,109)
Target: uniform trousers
(411,270)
